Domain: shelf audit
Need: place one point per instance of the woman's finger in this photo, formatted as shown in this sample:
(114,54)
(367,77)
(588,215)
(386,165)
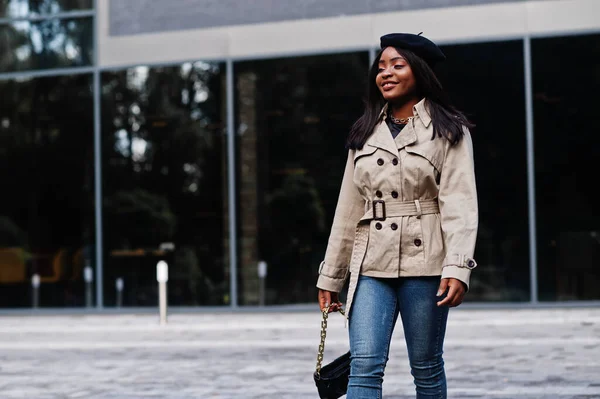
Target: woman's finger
(324,299)
(457,300)
(443,287)
(333,302)
(458,296)
(450,297)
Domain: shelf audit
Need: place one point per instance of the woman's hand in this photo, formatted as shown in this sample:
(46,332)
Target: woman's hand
(456,292)
(327,298)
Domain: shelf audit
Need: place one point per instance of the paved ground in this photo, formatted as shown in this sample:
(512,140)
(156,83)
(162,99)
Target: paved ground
(541,354)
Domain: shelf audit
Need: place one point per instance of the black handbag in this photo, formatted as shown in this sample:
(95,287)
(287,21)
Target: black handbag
(332,379)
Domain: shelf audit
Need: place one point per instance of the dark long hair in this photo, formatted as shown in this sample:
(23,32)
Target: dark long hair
(447,121)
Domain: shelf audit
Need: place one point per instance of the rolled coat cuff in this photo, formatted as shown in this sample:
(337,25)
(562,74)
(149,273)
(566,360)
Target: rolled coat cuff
(458,266)
(330,283)
(460,273)
(331,278)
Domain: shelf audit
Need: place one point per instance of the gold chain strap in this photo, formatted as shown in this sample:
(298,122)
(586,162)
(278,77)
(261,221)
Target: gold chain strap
(323,335)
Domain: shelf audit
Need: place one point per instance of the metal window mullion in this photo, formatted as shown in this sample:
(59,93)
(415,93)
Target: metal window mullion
(231,163)
(98,192)
(98,169)
(46,73)
(45,17)
(530,170)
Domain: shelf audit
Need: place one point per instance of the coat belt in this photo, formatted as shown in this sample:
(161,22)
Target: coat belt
(379,209)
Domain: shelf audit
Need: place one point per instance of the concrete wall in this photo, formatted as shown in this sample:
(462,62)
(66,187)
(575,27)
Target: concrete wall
(119,44)
(130,17)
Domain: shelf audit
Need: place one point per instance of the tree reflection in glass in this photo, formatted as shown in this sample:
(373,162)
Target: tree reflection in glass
(501,162)
(24,8)
(293,116)
(164,170)
(567,146)
(47,185)
(52,43)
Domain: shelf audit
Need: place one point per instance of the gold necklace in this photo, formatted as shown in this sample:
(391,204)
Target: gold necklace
(401,121)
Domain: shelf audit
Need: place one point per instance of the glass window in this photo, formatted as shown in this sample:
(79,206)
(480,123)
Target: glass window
(25,8)
(486,80)
(47,179)
(567,146)
(50,43)
(293,116)
(164,175)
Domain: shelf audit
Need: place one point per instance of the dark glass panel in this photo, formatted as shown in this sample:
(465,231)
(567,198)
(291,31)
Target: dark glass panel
(47,202)
(52,43)
(165,182)
(486,80)
(566,80)
(293,116)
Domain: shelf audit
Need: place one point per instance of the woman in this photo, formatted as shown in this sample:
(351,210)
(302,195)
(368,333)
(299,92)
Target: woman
(406,221)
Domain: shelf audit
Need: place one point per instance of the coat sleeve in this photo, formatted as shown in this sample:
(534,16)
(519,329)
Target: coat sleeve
(333,271)
(459,210)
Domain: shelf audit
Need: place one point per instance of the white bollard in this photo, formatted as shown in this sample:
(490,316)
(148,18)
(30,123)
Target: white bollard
(88,277)
(119,284)
(162,276)
(262,275)
(35,291)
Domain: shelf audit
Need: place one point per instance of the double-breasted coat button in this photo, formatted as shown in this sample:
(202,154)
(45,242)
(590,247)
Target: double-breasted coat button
(380,161)
(378,226)
(418,242)
(395,161)
(379,194)
(395,194)
(394,226)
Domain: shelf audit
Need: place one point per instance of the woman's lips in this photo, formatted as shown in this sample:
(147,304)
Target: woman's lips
(388,86)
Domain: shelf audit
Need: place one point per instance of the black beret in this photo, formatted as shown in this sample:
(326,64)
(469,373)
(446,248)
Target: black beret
(418,44)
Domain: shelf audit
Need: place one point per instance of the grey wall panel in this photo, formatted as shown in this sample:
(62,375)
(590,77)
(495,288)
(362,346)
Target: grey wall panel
(399,5)
(333,8)
(130,17)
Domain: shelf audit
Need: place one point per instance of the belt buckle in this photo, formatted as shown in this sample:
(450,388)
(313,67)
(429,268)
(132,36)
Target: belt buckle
(382,202)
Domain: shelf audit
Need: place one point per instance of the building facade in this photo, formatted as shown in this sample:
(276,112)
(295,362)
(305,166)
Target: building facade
(210,134)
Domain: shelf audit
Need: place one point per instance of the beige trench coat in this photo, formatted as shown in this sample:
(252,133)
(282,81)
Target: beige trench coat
(407,207)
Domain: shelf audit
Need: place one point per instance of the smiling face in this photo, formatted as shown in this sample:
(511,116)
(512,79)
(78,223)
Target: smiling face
(395,79)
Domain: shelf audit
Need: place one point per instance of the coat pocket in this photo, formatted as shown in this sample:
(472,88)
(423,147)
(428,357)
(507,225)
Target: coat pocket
(433,240)
(383,250)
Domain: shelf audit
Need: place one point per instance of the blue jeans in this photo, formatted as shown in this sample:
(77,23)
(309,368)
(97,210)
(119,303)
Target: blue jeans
(375,309)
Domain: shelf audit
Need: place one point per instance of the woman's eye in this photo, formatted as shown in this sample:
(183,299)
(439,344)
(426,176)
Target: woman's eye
(380,70)
(398,66)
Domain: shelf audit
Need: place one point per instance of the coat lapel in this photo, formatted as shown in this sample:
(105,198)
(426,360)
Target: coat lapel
(382,138)
(407,136)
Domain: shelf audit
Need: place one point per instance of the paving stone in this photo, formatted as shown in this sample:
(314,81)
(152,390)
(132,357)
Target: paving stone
(489,354)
